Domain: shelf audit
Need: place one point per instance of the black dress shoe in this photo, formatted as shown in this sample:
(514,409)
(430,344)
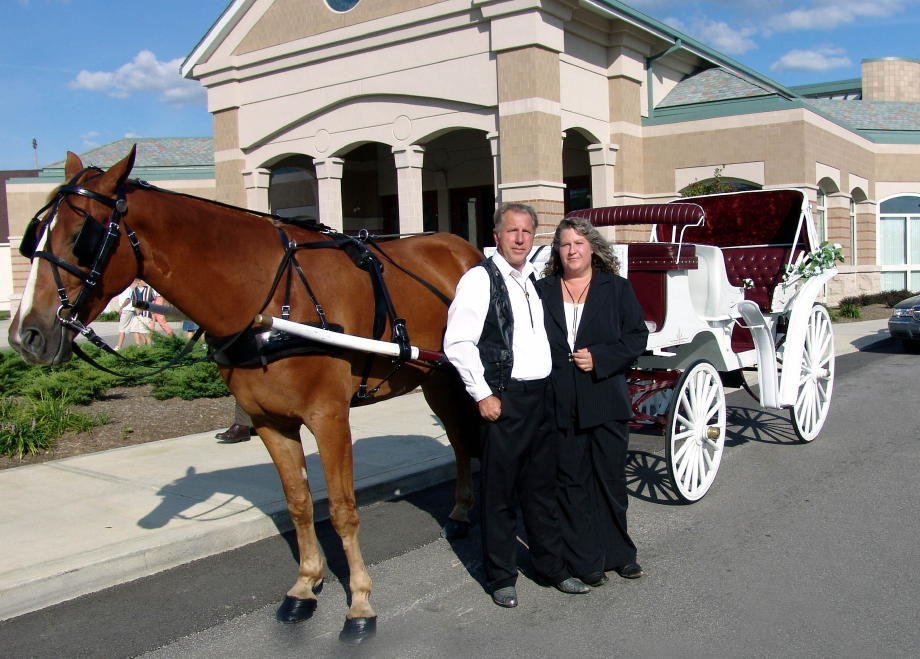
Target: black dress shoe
(236,433)
(572,586)
(595,579)
(630,571)
(506,597)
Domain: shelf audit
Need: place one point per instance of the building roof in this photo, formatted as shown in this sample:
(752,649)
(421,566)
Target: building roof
(151,152)
(872,115)
(715,84)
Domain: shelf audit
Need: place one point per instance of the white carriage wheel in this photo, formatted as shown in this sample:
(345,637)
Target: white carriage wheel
(816,381)
(695,435)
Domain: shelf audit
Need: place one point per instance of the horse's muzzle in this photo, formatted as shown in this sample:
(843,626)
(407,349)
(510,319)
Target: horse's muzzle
(41,347)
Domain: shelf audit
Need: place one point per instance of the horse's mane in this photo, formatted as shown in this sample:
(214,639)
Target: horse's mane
(302,222)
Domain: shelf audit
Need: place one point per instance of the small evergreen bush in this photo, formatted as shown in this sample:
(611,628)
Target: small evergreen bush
(849,311)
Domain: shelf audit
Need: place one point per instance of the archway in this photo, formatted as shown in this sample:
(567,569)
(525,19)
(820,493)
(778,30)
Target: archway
(369,197)
(576,171)
(459,185)
(292,188)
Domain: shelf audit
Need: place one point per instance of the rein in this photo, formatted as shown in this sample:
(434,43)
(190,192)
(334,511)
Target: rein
(96,242)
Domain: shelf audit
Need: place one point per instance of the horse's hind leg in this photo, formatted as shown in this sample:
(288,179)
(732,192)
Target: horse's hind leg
(287,453)
(447,398)
(333,437)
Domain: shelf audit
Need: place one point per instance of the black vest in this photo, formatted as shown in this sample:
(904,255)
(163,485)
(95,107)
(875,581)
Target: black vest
(495,351)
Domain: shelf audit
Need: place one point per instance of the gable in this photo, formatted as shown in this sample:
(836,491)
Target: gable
(290,20)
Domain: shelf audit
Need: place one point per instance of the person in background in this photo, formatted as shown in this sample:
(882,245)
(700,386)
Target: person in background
(125,316)
(596,331)
(159,320)
(496,340)
(140,323)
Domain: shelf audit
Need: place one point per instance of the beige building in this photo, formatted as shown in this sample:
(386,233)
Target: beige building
(182,164)
(411,115)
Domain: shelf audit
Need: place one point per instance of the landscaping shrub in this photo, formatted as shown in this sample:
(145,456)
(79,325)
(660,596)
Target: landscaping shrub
(888,298)
(35,401)
(32,425)
(848,310)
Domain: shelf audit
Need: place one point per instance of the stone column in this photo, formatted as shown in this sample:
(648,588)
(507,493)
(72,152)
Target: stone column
(409,187)
(603,159)
(329,188)
(255,183)
(529,122)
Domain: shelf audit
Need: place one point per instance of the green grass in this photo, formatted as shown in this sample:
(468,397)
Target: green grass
(36,401)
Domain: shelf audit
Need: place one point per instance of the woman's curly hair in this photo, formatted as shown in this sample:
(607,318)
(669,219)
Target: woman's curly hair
(602,257)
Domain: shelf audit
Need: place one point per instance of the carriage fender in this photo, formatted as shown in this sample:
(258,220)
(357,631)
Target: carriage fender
(794,347)
(766,353)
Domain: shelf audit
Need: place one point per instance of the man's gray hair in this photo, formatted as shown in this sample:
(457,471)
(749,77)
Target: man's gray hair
(515,208)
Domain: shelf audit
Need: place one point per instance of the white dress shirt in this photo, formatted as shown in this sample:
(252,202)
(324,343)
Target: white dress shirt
(466,317)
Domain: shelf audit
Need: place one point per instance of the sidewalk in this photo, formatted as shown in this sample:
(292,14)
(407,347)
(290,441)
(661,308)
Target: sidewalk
(78,525)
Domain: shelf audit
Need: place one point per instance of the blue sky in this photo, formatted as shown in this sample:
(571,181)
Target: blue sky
(80,73)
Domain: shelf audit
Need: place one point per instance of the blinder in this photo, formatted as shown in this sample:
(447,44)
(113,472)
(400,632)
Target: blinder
(30,238)
(88,240)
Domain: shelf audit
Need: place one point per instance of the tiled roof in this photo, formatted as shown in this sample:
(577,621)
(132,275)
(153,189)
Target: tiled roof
(152,152)
(874,115)
(714,84)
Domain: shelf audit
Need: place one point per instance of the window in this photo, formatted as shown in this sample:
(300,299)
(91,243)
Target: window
(899,243)
(852,231)
(341,5)
(821,216)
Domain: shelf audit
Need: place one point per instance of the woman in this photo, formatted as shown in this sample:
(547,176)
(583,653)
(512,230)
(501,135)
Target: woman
(596,331)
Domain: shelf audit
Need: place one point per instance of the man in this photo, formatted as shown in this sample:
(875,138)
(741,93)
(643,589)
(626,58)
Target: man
(496,340)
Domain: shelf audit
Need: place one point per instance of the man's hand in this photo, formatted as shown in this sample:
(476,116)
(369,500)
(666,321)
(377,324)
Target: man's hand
(490,408)
(583,360)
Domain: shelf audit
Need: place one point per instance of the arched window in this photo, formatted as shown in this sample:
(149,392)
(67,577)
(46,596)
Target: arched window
(899,243)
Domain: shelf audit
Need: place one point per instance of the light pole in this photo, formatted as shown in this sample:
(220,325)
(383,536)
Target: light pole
(35,151)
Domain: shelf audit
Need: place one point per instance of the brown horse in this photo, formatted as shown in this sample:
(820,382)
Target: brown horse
(218,264)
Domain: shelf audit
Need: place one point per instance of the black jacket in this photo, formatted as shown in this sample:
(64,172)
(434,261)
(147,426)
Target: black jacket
(613,329)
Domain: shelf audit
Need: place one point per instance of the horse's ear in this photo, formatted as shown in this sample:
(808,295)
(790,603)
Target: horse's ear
(72,166)
(118,172)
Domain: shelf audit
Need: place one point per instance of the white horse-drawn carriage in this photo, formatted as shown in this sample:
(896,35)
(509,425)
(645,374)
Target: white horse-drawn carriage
(727,283)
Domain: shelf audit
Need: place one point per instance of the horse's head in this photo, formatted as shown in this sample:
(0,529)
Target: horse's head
(80,259)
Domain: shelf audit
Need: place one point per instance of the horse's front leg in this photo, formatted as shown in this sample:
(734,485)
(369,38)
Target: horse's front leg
(333,437)
(287,453)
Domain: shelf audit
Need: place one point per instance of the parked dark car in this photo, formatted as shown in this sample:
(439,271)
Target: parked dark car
(904,323)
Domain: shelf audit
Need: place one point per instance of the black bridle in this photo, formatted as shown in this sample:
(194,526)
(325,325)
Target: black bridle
(93,245)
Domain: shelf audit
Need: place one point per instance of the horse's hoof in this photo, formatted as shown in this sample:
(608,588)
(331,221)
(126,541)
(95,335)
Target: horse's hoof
(358,630)
(294,609)
(454,530)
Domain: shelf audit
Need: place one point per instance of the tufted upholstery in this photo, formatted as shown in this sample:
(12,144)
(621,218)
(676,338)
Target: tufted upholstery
(647,268)
(762,265)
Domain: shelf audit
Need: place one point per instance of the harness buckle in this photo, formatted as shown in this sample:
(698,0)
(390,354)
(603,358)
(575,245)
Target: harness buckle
(285,311)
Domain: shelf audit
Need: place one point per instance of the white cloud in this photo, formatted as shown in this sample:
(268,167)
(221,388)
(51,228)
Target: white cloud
(822,58)
(91,139)
(130,134)
(145,73)
(831,14)
(717,34)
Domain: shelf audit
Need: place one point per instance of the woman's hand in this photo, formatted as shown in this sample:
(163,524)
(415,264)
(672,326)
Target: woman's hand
(583,360)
